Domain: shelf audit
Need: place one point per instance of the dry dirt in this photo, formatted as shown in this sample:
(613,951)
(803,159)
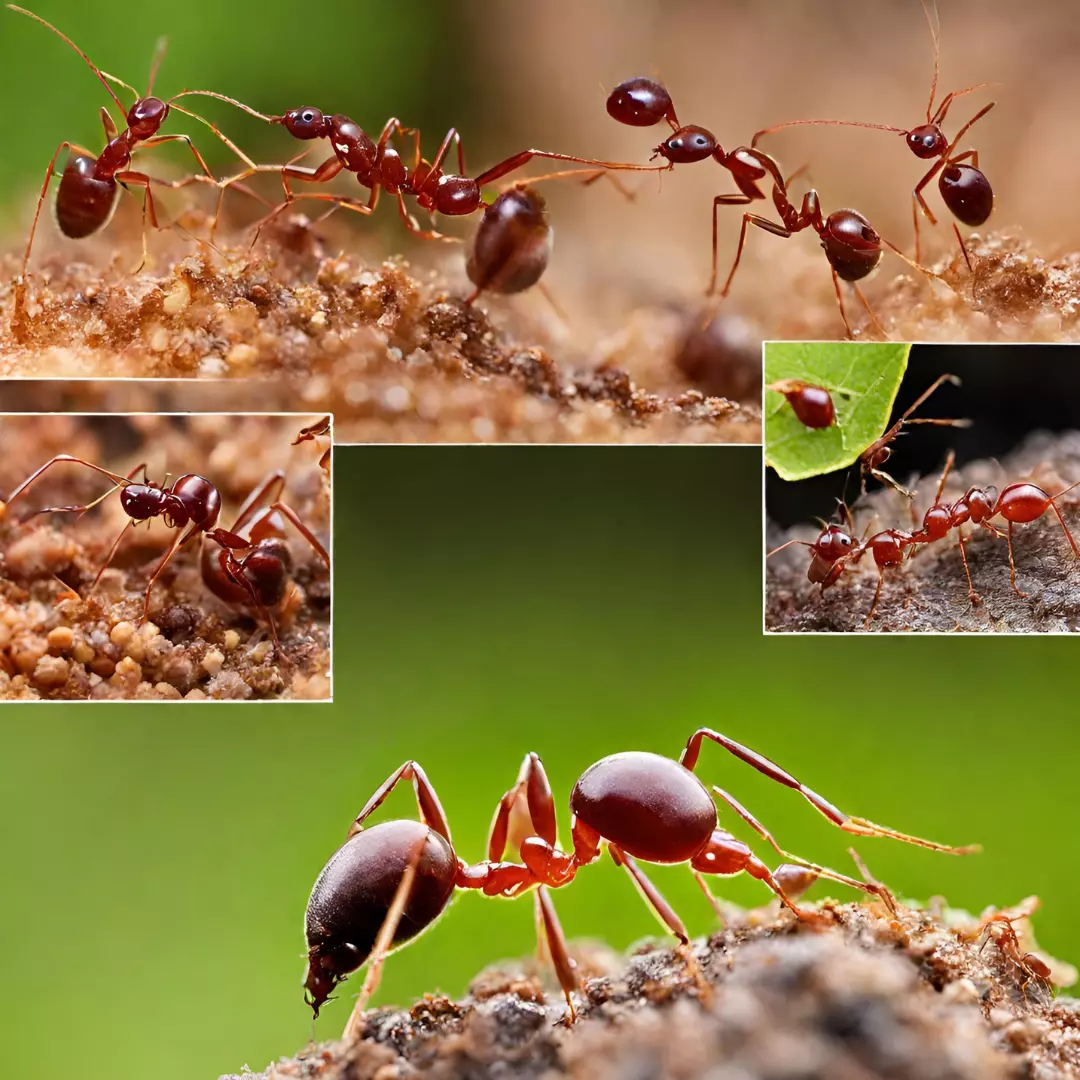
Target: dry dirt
(857,996)
(929,591)
(60,641)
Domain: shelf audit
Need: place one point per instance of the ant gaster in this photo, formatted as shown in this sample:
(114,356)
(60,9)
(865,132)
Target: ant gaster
(965,190)
(813,405)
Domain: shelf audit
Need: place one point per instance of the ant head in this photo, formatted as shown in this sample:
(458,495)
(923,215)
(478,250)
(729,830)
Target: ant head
(927,141)
(641,102)
(142,501)
(146,116)
(834,542)
(851,245)
(687,145)
(305,123)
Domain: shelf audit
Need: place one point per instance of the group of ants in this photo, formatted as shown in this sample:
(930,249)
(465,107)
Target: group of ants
(391,881)
(512,244)
(248,564)
(838,547)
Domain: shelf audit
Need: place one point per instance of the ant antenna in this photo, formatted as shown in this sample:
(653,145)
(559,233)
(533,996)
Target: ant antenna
(159,55)
(935,32)
(222,97)
(93,67)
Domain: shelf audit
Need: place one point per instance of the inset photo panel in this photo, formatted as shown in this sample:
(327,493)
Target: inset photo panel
(922,488)
(165,557)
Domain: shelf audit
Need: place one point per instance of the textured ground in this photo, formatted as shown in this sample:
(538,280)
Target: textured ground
(858,996)
(929,592)
(55,645)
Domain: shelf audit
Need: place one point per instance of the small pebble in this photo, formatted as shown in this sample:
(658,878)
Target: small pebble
(212,661)
(60,638)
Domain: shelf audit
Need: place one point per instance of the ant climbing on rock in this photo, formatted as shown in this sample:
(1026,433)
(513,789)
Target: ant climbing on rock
(964,188)
(88,191)
(850,242)
(879,451)
(642,806)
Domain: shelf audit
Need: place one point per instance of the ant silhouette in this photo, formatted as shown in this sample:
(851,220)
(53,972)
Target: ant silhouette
(964,188)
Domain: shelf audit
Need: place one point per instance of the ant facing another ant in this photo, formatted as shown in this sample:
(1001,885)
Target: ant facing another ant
(964,188)
(249,565)
(386,884)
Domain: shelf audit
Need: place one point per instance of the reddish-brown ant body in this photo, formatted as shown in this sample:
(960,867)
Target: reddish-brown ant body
(512,245)
(88,190)
(642,806)
(880,450)
(964,188)
(813,405)
(251,562)
(849,241)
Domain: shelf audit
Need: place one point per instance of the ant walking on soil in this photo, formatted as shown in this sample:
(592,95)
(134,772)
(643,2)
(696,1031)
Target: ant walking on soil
(252,563)
(642,806)
(88,191)
(965,190)
(850,242)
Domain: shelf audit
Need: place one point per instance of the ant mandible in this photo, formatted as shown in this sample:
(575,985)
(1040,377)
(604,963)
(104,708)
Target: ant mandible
(88,191)
(964,188)
(252,562)
(879,451)
(191,503)
(849,241)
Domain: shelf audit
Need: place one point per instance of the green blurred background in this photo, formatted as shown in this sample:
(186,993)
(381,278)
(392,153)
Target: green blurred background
(156,861)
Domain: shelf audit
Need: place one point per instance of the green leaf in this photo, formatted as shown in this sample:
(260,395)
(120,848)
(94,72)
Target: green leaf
(863,380)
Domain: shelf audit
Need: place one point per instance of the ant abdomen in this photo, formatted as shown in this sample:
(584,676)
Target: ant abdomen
(84,201)
(967,193)
(353,894)
(650,806)
(1021,503)
(641,102)
(851,245)
(512,246)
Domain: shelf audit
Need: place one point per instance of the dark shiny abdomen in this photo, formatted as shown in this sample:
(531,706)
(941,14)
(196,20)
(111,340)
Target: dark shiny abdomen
(84,203)
(967,193)
(356,888)
(649,805)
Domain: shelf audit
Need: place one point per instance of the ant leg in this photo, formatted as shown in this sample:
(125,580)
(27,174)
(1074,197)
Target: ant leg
(699,877)
(973,596)
(385,938)
(414,226)
(722,200)
(533,787)
(149,210)
(109,558)
(431,811)
(761,223)
(948,99)
(875,888)
(870,311)
(877,596)
(591,177)
(178,541)
(1012,565)
(220,134)
(661,908)
(854,825)
(41,198)
(840,303)
(1068,535)
(234,571)
(301,528)
(118,481)
(558,950)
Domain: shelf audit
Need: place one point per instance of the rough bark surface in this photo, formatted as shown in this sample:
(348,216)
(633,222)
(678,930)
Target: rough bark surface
(929,591)
(854,996)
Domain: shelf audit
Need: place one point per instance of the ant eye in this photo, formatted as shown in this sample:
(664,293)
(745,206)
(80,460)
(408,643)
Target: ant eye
(928,141)
(307,117)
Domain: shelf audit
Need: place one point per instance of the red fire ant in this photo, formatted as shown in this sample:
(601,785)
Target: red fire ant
(878,452)
(313,432)
(88,191)
(251,562)
(813,405)
(641,805)
(850,243)
(965,190)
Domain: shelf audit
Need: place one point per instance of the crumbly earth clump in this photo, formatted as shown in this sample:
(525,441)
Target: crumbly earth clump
(929,592)
(855,994)
(61,641)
